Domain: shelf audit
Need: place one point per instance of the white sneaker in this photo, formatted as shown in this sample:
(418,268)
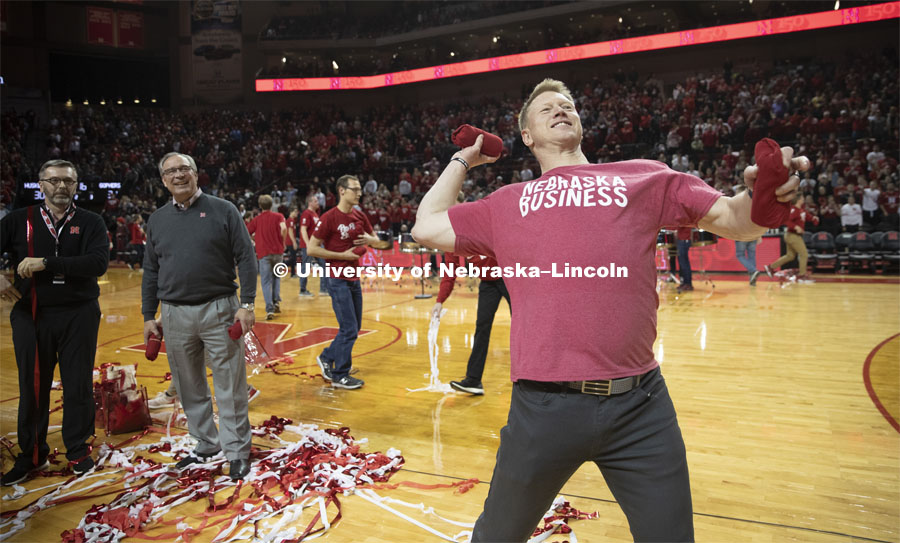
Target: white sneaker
(162,400)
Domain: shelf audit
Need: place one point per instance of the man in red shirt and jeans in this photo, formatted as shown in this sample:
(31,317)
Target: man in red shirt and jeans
(339,238)
(269,233)
(582,241)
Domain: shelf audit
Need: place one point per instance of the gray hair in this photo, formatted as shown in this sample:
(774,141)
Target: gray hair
(56,163)
(167,156)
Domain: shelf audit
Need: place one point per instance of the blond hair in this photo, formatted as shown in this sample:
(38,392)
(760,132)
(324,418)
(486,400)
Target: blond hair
(265,202)
(547,85)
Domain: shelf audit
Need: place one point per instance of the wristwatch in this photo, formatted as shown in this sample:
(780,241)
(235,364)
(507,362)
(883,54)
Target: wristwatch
(248,307)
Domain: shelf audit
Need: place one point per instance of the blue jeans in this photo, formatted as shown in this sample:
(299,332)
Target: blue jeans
(633,438)
(684,262)
(746,253)
(305,259)
(346,299)
(271,284)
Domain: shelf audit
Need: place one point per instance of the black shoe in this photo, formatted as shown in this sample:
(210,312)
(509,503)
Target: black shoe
(194,459)
(468,385)
(684,288)
(769,271)
(86,465)
(19,473)
(277,307)
(239,469)
(753,277)
(325,367)
(270,316)
(348,382)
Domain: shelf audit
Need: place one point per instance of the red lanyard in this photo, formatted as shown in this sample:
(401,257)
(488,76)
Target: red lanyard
(53,231)
(29,237)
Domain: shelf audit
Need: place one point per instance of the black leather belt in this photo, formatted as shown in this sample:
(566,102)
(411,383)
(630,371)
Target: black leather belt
(604,387)
(601,387)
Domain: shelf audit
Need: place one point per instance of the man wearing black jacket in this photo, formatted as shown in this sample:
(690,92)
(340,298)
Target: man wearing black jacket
(58,251)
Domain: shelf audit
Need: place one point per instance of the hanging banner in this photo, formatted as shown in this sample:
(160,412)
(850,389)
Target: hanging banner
(101,26)
(130,29)
(216,49)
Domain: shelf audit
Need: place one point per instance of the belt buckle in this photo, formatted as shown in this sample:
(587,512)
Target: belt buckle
(597,388)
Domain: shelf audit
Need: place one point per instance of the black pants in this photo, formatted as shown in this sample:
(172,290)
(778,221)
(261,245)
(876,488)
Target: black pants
(489,295)
(137,256)
(67,335)
(633,438)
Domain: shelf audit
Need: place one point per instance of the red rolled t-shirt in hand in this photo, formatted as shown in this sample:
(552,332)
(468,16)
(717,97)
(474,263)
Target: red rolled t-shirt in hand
(235,330)
(337,230)
(151,350)
(766,209)
(585,216)
(465,136)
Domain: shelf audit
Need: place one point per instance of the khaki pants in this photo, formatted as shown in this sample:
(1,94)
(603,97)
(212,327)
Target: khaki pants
(795,249)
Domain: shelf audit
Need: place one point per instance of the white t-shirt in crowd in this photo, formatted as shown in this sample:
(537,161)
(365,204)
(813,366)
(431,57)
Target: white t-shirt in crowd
(851,215)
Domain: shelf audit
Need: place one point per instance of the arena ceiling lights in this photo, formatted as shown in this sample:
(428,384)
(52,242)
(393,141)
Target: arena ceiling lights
(753,29)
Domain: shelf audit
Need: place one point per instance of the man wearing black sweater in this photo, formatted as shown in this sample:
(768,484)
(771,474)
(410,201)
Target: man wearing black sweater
(193,244)
(58,252)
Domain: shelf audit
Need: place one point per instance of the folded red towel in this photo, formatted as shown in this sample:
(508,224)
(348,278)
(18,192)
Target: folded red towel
(465,136)
(766,209)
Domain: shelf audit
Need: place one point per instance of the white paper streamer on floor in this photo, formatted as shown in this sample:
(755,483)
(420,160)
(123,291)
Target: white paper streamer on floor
(434,383)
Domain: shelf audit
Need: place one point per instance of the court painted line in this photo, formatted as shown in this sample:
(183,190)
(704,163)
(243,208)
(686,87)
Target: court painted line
(867,379)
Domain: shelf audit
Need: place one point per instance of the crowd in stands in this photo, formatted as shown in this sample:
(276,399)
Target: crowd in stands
(842,115)
(338,22)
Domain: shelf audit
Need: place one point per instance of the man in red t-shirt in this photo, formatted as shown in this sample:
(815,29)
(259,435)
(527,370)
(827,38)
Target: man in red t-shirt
(889,201)
(340,238)
(308,222)
(579,243)
(490,291)
(138,237)
(269,234)
(291,245)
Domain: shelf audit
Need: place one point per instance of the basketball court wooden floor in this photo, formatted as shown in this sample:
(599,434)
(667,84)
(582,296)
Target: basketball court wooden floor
(787,399)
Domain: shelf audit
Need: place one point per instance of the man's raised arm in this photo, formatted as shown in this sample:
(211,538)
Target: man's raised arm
(433,228)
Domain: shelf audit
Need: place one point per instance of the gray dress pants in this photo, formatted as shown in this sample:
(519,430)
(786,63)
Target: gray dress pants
(189,331)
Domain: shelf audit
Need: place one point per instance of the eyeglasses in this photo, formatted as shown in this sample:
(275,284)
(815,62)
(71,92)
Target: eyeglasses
(55,181)
(180,169)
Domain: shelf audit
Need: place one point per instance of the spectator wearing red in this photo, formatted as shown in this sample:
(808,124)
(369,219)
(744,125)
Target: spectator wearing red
(309,220)
(889,201)
(340,233)
(291,245)
(490,291)
(136,241)
(793,240)
(269,234)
